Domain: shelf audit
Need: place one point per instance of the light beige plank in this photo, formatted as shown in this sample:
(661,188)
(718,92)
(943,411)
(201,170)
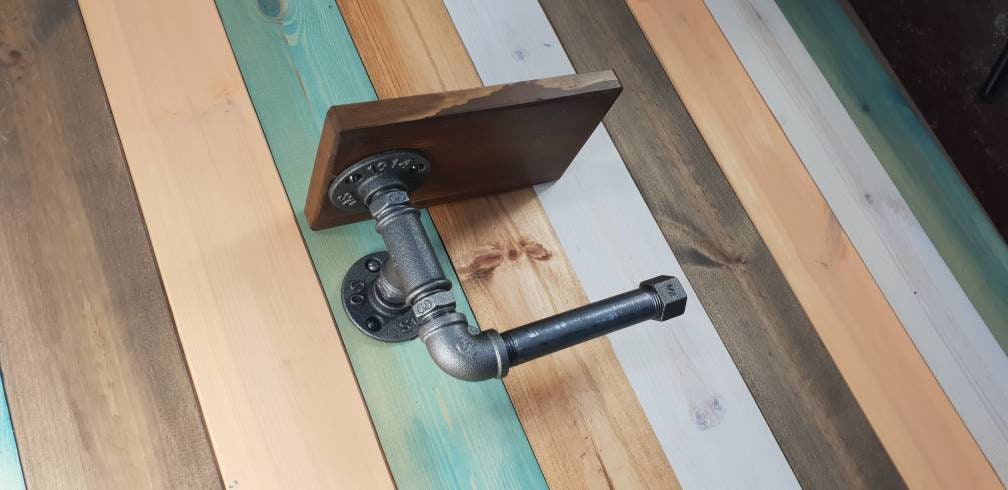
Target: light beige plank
(279,398)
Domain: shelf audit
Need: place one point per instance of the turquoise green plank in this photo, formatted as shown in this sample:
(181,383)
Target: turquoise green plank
(936,193)
(298,59)
(10,464)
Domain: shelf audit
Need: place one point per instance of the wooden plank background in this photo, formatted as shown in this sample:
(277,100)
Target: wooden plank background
(280,401)
(805,400)
(274,398)
(947,330)
(878,360)
(98,389)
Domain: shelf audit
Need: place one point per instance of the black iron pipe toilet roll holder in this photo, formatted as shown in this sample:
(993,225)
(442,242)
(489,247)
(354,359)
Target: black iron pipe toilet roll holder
(385,158)
(403,293)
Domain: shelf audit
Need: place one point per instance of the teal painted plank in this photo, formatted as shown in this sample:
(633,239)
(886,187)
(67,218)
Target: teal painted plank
(11,476)
(298,59)
(934,190)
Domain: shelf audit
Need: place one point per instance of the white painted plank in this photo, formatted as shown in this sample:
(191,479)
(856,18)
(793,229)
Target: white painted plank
(676,369)
(947,330)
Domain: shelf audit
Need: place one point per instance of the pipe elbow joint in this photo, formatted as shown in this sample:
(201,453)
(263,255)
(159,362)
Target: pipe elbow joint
(462,354)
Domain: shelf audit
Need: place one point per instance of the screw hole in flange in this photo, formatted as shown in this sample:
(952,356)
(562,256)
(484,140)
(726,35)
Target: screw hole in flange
(373,317)
(411,167)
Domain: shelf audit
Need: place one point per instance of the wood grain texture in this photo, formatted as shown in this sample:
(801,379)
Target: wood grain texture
(468,135)
(297,60)
(927,180)
(808,406)
(893,385)
(280,401)
(703,414)
(579,412)
(98,388)
(944,325)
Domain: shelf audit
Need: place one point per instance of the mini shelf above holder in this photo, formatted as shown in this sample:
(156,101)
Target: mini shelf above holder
(385,159)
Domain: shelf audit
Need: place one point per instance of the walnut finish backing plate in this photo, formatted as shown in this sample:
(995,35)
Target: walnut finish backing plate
(478,141)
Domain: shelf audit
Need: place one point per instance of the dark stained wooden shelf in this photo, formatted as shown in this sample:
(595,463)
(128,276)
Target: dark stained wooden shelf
(479,141)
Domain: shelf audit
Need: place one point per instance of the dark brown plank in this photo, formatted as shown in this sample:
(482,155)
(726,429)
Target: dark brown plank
(98,388)
(479,141)
(811,411)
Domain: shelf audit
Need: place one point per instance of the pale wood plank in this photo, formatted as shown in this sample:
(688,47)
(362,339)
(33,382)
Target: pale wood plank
(914,419)
(612,241)
(279,398)
(946,328)
(98,390)
(579,412)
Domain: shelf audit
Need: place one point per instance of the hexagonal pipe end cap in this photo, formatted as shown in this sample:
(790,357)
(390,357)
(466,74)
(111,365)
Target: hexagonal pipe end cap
(671,296)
